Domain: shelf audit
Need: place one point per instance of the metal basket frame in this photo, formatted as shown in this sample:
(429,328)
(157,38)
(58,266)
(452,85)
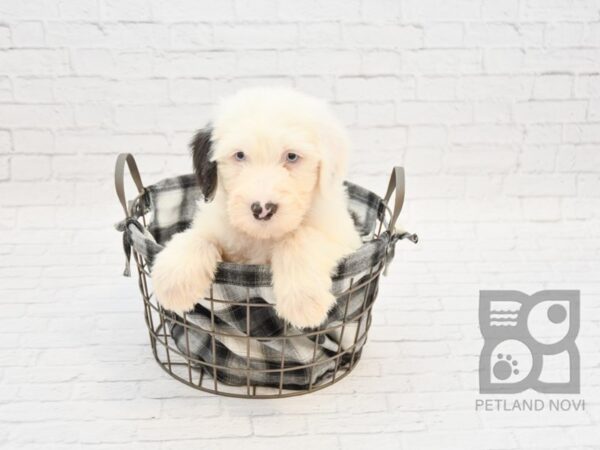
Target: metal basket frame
(193,372)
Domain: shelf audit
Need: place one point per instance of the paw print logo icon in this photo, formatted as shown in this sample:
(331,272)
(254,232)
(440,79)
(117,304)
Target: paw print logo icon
(503,368)
(529,341)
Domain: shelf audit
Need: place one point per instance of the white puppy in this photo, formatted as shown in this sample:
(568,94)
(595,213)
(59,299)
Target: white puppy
(273,163)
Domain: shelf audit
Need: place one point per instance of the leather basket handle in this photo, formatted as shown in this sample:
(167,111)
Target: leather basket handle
(397,185)
(122,159)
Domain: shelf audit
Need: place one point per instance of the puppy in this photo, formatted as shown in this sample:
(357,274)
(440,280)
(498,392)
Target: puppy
(272,165)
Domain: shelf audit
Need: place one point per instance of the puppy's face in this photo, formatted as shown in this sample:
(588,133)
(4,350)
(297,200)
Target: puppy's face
(269,179)
(272,151)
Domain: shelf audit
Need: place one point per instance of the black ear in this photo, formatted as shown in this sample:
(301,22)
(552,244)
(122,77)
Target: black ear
(205,169)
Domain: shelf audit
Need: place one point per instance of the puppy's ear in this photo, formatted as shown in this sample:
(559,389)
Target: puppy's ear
(205,169)
(335,146)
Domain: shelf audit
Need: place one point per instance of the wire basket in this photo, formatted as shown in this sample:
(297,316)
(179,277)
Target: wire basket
(233,343)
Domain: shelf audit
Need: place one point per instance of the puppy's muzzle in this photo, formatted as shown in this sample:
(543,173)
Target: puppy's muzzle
(263,213)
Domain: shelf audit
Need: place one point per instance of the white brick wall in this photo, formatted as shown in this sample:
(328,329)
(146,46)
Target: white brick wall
(493,106)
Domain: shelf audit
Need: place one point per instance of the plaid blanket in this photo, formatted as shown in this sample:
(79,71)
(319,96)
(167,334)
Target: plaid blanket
(242,294)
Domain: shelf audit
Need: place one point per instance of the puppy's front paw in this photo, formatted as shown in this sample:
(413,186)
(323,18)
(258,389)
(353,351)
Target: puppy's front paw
(174,291)
(181,275)
(305,309)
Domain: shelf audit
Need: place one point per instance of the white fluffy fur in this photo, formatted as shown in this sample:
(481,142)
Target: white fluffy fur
(311,229)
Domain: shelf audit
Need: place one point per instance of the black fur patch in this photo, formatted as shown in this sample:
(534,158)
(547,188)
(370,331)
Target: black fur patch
(205,169)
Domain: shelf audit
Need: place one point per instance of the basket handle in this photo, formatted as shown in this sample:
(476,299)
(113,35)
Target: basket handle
(397,185)
(120,175)
(122,159)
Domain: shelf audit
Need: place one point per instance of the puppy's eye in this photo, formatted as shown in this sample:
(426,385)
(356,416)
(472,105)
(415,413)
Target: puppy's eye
(292,157)
(239,156)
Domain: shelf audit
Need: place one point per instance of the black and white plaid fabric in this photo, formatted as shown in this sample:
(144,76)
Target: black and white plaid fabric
(171,205)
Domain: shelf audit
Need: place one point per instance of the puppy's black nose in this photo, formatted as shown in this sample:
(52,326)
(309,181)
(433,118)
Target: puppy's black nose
(265,213)
(256,208)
